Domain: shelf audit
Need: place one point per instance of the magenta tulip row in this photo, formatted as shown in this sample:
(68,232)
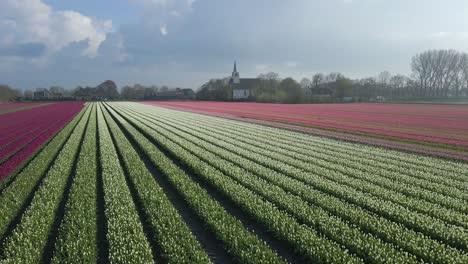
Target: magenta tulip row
(42,123)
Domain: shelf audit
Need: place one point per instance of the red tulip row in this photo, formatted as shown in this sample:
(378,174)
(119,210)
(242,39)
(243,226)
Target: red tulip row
(43,123)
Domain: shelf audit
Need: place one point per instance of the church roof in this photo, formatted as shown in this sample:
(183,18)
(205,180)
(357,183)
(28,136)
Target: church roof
(246,83)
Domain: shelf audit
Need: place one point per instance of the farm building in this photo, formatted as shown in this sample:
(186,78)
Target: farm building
(41,93)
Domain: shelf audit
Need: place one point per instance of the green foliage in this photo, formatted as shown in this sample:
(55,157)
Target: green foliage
(290,91)
(305,240)
(324,177)
(215,90)
(78,232)
(239,242)
(177,243)
(127,241)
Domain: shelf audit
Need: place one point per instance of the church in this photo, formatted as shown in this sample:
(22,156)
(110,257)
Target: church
(241,87)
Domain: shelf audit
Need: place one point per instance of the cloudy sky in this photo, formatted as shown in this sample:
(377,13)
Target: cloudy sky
(186,42)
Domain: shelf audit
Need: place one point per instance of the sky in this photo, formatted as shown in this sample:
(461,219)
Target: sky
(185,43)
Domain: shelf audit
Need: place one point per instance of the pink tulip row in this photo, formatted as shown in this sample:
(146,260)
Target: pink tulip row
(447,124)
(44,122)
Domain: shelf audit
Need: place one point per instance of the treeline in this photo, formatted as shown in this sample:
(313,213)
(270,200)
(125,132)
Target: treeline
(104,91)
(140,92)
(440,73)
(8,94)
(436,75)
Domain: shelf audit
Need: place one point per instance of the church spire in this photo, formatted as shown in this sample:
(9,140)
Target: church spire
(235,74)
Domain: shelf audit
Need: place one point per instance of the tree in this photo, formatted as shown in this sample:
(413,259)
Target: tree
(383,80)
(344,87)
(215,90)
(269,76)
(8,94)
(290,91)
(305,83)
(397,84)
(317,80)
(438,71)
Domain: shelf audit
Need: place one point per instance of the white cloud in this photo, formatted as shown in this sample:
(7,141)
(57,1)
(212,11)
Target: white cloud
(163,29)
(161,14)
(32,21)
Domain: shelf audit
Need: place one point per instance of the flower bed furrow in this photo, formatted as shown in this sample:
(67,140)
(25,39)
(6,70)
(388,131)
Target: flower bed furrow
(240,242)
(365,246)
(358,181)
(447,174)
(435,247)
(127,241)
(449,234)
(411,174)
(77,240)
(27,242)
(14,196)
(177,243)
(304,239)
(423,162)
(341,164)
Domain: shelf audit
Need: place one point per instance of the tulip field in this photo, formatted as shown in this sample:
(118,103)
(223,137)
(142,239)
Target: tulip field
(441,130)
(125,182)
(26,127)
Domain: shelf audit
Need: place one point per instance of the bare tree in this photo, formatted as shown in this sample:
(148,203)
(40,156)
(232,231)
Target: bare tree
(305,83)
(317,79)
(438,72)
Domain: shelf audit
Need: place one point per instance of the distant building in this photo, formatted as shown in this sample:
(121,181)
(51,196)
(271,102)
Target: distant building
(241,87)
(41,94)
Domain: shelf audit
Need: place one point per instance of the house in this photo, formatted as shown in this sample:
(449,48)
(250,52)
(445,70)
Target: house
(41,94)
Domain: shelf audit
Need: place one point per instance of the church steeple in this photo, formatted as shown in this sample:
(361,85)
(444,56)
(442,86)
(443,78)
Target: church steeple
(235,74)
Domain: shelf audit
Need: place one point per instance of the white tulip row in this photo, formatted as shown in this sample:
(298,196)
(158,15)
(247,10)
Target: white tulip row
(305,240)
(437,169)
(366,182)
(441,186)
(177,243)
(125,235)
(418,176)
(77,240)
(242,244)
(406,239)
(451,235)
